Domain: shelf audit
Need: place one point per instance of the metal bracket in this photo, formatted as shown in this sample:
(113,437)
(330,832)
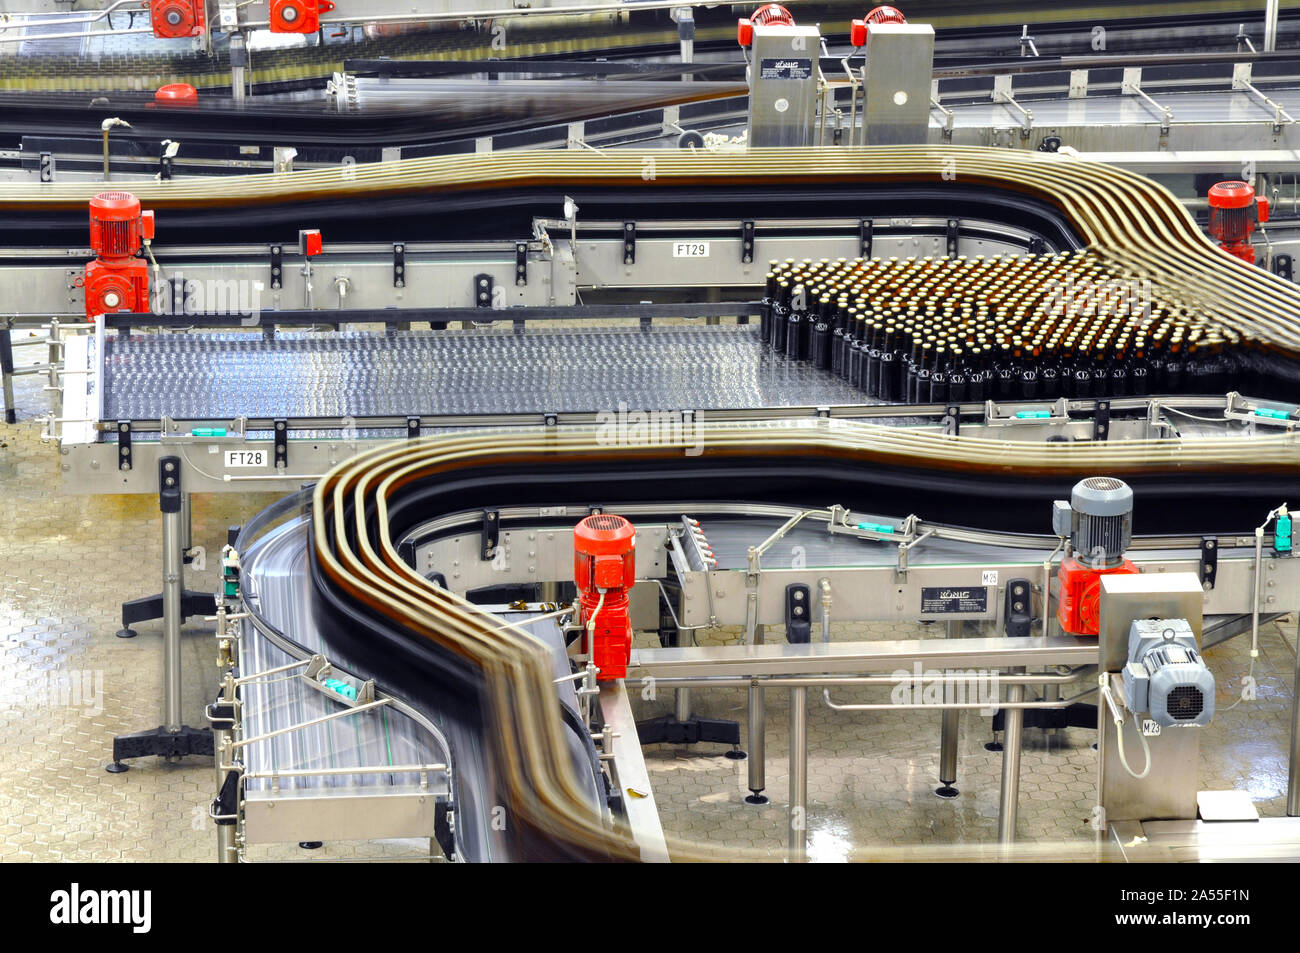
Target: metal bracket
(318,673)
(521,264)
(169,485)
(484,287)
(1132,86)
(281,444)
(865,238)
(1101,420)
(953,412)
(1283,267)
(629,243)
(953,231)
(1209,570)
(412,428)
(491,533)
(47,166)
(124,445)
(1018,616)
(551,420)
(399,265)
(746,243)
(277,267)
(798,614)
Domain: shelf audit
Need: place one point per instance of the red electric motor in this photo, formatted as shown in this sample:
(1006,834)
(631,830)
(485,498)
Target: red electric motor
(1235,210)
(176,19)
(770,14)
(117,280)
(881,14)
(298,16)
(604,570)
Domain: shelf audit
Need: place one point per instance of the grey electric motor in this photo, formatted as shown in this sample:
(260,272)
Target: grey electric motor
(1165,674)
(1098,519)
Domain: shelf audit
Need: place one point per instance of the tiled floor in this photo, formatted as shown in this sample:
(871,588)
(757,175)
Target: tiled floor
(67,686)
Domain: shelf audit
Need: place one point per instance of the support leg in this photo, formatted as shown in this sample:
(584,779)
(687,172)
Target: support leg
(7,373)
(172,739)
(173,566)
(1011,767)
(798,775)
(950,726)
(757,737)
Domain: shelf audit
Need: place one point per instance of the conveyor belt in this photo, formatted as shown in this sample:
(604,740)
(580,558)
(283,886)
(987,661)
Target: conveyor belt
(275,587)
(224,376)
(370,596)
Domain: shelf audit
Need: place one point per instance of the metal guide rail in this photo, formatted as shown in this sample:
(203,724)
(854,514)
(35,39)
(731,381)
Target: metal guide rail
(560,263)
(735,564)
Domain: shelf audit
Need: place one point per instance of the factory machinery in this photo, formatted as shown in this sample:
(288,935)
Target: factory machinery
(937,350)
(434,639)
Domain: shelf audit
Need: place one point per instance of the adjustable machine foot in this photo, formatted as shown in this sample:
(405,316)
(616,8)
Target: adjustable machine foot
(161,742)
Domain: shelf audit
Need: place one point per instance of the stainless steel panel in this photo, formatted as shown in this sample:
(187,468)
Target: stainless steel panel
(783,74)
(897,72)
(1160,595)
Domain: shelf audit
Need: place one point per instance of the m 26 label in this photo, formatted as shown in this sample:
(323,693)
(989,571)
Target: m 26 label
(954,601)
(690,249)
(246,459)
(785,69)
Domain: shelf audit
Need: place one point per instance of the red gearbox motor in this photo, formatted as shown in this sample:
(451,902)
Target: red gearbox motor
(770,14)
(1235,212)
(1078,607)
(117,280)
(298,16)
(604,570)
(177,19)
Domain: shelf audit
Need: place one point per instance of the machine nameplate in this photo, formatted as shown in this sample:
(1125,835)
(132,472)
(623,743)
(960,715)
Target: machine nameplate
(786,69)
(941,601)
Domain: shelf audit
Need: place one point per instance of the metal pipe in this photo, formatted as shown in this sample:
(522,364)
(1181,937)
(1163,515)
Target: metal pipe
(682,704)
(7,373)
(238,67)
(308,724)
(963,706)
(821,681)
(949,726)
(798,775)
(757,734)
(173,562)
(55,353)
(344,772)
(1270,26)
(1010,796)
